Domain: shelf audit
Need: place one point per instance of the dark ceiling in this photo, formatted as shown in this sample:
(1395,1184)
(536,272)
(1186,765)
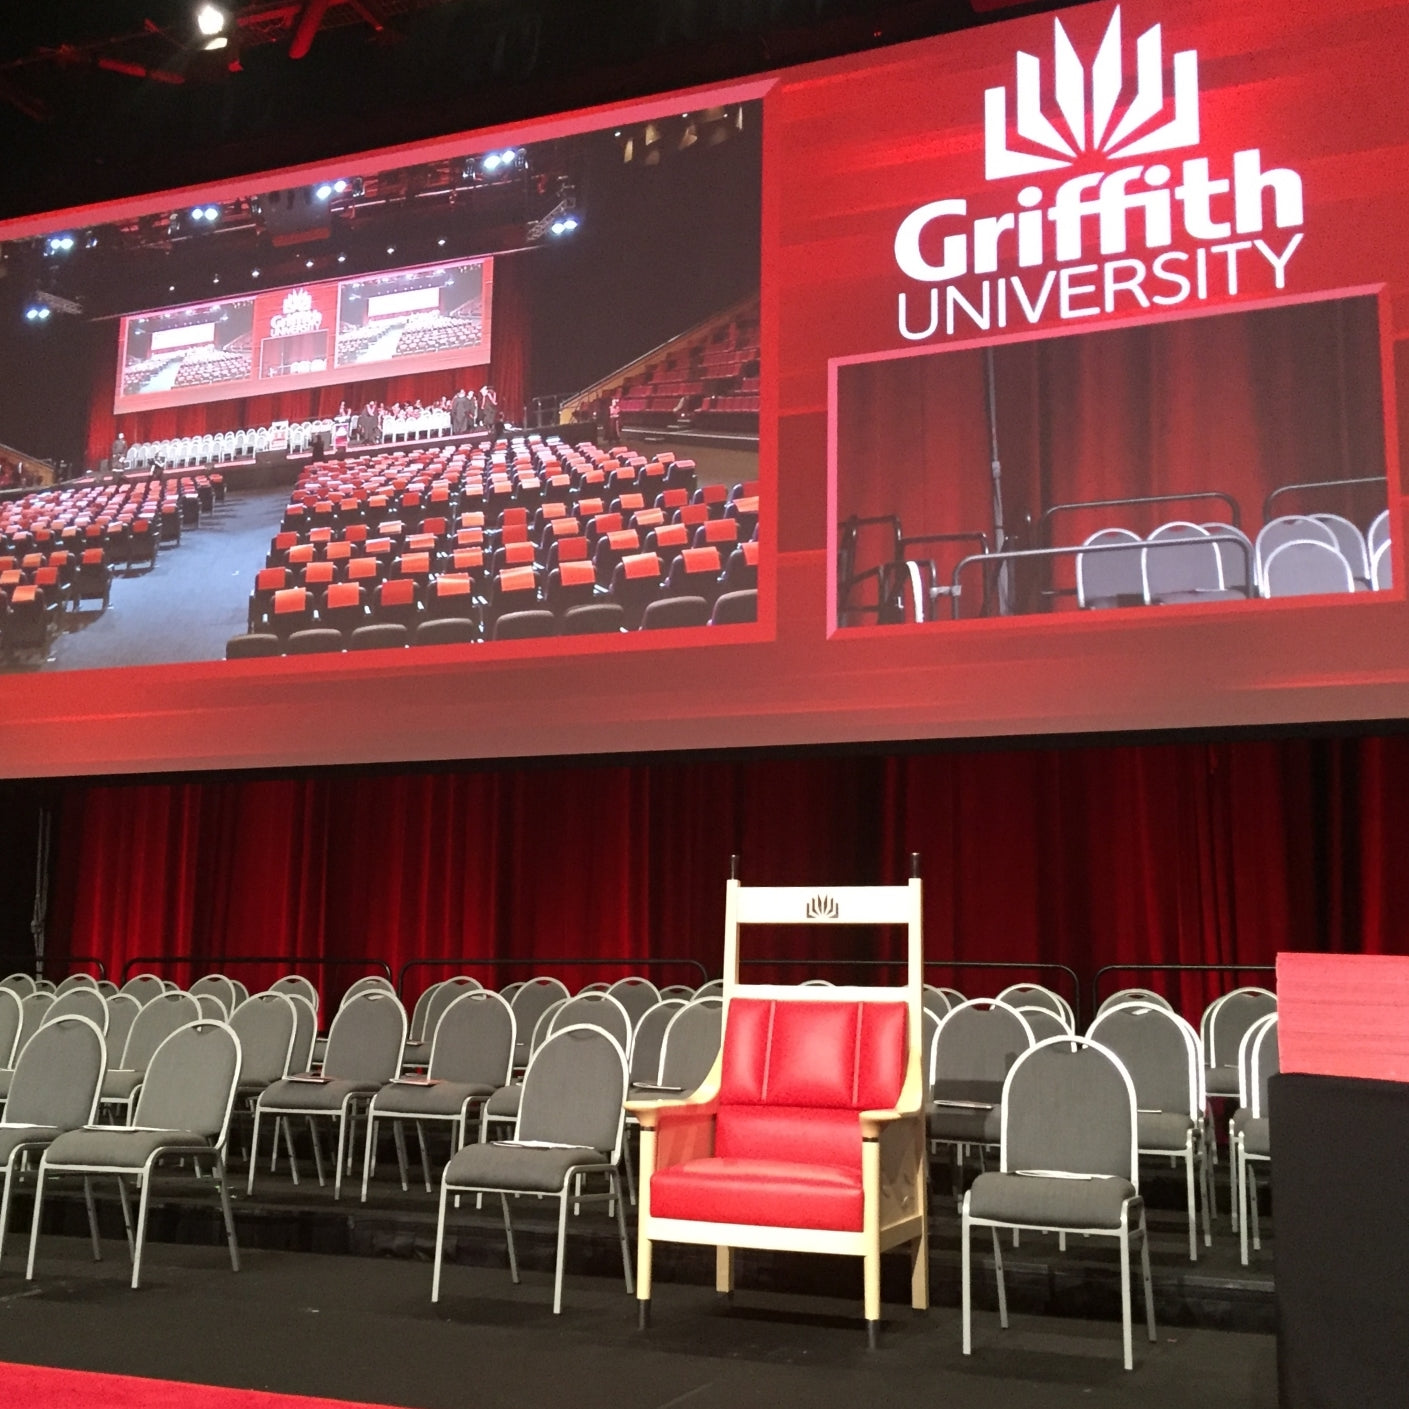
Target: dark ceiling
(99,100)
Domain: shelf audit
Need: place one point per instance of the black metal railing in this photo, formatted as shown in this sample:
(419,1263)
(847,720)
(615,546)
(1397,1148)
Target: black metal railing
(214,962)
(1317,485)
(1139,501)
(93,959)
(1172,969)
(540,965)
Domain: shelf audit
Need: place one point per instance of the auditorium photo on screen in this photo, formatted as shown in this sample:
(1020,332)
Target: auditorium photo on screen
(1225,461)
(494,392)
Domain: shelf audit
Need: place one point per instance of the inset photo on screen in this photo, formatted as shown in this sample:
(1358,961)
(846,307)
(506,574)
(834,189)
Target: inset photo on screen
(1235,459)
(508,393)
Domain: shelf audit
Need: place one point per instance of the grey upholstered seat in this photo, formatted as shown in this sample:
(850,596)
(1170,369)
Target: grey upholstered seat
(573,1092)
(266,1025)
(1255,1132)
(529,1002)
(1135,995)
(974,1049)
(1160,1051)
(691,1043)
(122,1013)
(79,980)
(1224,1022)
(636,995)
(1250,1130)
(365,1046)
(1043,1022)
(11,1015)
(1111,577)
(144,987)
(1068,1163)
(21,985)
(183,1111)
(649,1038)
(297,984)
(471,1053)
(161,1015)
(217,986)
(55,1088)
(437,999)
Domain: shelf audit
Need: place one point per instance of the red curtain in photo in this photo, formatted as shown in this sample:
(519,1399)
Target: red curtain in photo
(507,373)
(1185,853)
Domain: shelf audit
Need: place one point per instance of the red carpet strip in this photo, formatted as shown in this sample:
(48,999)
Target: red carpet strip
(36,1387)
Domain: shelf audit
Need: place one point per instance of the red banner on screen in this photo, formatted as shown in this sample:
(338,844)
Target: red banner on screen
(402,321)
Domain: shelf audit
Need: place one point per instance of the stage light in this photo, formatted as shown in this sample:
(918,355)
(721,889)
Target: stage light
(308,264)
(441,242)
(36,313)
(339,186)
(324,191)
(254,273)
(211,20)
(58,244)
(565,225)
(391,249)
(491,162)
(342,259)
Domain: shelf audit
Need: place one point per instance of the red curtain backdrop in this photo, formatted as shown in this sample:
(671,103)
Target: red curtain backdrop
(507,373)
(1186,853)
(1240,402)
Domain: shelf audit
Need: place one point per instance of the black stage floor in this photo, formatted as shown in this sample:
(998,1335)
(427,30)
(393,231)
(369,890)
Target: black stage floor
(334,1300)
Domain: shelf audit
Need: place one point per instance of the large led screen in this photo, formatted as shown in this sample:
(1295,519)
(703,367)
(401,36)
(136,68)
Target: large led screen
(1044,377)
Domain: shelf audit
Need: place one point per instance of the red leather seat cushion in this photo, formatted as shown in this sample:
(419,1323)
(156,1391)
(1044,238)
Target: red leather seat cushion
(767,1193)
(801,1134)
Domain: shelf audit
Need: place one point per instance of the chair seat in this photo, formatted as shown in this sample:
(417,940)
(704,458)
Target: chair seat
(1256,1133)
(1221,1081)
(1162,1130)
(118,1085)
(494,1166)
(505,1101)
(445,1098)
(314,1095)
(117,1146)
(13,1136)
(1051,1203)
(765,1193)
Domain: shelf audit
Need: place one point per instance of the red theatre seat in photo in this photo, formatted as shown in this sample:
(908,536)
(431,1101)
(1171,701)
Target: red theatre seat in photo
(512,590)
(397,602)
(291,610)
(611,549)
(808,1135)
(451,595)
(345,608)
(695,573)
(635,585)
(718,533)
(570,585)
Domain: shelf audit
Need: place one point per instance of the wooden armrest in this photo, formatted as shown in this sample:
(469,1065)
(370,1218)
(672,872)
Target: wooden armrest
(873,1122)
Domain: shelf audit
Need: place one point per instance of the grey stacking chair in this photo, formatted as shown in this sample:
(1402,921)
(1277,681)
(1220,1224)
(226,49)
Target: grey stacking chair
(366,983)
(1111,578)
(1351,543)
(1304,568)
(297,984)
(974,1049)
(1288,528)
(648,1040)
(11,1015)
(678,990)
(81,1002)
(364,1053)
(568,1136)
(636,995)
(595,1008)
(218,986)
(691,1044)
(528,1003)
(183,1113)
(1044,1023)
(713,989)
(1377,535)
(211,1007)
(508,991)
(144,987)
(1382,568)
(75,981)
(1147,996)
(122,1013)
(1187,568)
(33,1007)
(21,985)
(1068,1164)
(301,1060)
(169,985)
(416,1033)
(266,1025)
(107,987)
(158,1019)
(596,986)
(241,992)
(1221,1030)
(936,1001)
(1035,995)
(1250,1130)
(471,1056)
(1161,1053)
(45,985)
(439,999)
(378,982)
(55,1088)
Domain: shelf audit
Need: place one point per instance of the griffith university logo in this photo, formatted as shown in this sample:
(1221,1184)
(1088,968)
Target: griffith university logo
(823,907)
(1175,238)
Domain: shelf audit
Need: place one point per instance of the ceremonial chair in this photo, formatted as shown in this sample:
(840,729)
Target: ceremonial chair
(808,1134)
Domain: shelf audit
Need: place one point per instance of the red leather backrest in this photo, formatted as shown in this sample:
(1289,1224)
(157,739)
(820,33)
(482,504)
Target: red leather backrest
(802,1052)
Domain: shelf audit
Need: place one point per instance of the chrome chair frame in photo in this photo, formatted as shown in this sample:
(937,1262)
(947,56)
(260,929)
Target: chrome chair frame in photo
(561,1164)
(183,1111)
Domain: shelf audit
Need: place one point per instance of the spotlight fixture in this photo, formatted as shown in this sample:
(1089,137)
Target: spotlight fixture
(58,244)
(205,214)
(36,312)
(211,20)
(328,189)
(499,161)
(564,226)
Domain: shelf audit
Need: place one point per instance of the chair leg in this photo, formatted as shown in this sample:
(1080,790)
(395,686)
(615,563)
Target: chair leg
(398,1135)
(289,1146)
(317,1151)
(92,1217)
(1206,1174)
(562,1247)
(724,1271)
(1236,1161)
(1250,1171)
(1126,1338)
(126,1216)
(622,1233)
(965,1279)
(630,1170)
(367,1153)
(643,1280)
(10,1174)
(425,1156)
(1232,1180)
(34,1222)
(1192,1199)
(1145,1280)
(145,1189)
(509,1240)
(1002,1286)
(439,1246)
(226,1212)
(254,1150)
